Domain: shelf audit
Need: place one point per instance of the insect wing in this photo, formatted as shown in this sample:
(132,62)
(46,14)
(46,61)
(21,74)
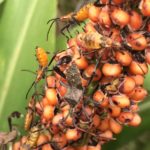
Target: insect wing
(73,76)
(73,95)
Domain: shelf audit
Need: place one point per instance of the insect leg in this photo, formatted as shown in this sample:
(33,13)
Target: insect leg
(69,31)
(62,30)
(57,70)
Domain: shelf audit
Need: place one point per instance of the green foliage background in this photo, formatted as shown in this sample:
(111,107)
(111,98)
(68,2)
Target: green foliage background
(22,27)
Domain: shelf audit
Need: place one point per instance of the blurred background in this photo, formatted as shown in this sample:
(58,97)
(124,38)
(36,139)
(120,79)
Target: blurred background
(23,26)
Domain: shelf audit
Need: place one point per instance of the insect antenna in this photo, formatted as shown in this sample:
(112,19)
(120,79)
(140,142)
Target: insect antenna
(28,71)
(53,21)
(30,89)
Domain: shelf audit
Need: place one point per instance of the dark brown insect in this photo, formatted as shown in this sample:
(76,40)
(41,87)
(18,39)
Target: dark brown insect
(75,90)
(7,137)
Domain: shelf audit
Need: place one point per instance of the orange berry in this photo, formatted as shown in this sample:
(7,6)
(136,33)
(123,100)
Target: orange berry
(72,134)
(42,139)
(69,148)
(48,112)
(97,147)
(123,57)
(104,1)
(81,147)
(96,120)
(104,125)
(68,118)
(114,110)
(89,27)
(115,127)
(47,147)
(55,129)
(65,106)
(98,96)
(39,107)
(127,85)
(62,90)
(137,41)
(51,95)
(139,94)
(121,100)
(45,102)
(135,21)
(139,79)
(120,17)
(125,117)
(57,118)
(84,82)
(134,107)
(145,7)
(104,18)
(136,120)
(81,62)
(106,135)
(105,102)
(93,13)
(138,68)
(89,110)
(88,72)
(147,55)
(116,35)
(60,139)
(111,70)
(51,81)
(72,44)
(16,145)
(118,1)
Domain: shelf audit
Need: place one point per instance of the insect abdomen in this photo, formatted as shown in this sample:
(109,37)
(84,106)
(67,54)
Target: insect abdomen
(83,13)
(28,120)
(33,136)
(42,57)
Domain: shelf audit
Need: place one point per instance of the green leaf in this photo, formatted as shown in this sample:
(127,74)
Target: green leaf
(22,28)
(1,1)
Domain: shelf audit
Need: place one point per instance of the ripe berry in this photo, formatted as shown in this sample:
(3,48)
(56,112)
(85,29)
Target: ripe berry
(120,17)
(127,85)
(93,13)
(111,70)
(135,21)
(137,41)
(72,134)
(137,68)
(121,100)
(115,127)
(51,95)
(123,57)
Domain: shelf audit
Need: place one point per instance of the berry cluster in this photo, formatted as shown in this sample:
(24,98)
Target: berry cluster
(96,84)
